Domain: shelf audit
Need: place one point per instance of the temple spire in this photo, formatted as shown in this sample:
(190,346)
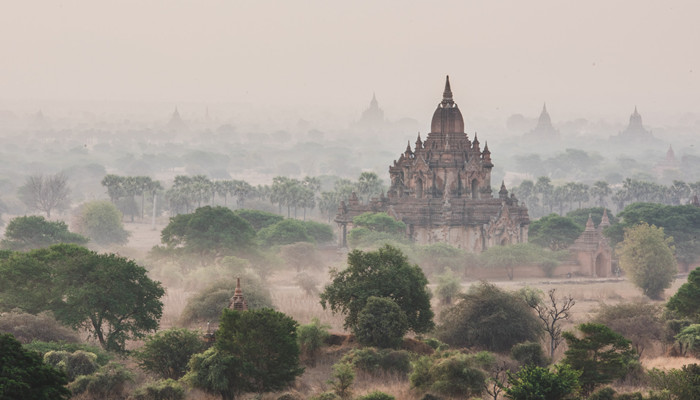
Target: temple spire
(238,301)
(589,223)
(447,94)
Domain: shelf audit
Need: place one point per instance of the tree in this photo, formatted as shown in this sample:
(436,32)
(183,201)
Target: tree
(451,373)
(23,374)
(601,355)
(686,301)
(510,256)
(680,222)
(167,352)
(369,184)
(554,232)
(639,322)
(600,190)
(311,338)
(258,219)
(45,193)
(538,383)
(343,377)
(489,318)
(33,232)
(110,296)
(580,217)
(689,337)
(101,222)
(646,256)
(382,273)
(255,351)
(381,323)
(209,232)
(448,287)
(285,232)
(683,383)
(552,313)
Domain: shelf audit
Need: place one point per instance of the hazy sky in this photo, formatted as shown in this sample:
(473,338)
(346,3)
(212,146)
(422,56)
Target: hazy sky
(584,58)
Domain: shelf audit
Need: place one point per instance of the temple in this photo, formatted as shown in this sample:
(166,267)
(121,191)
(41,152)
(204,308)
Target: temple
(238,302)
(441,190)
(544,131)
(591,251)
(635,131)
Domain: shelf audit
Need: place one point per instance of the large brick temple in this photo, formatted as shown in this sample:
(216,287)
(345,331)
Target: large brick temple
(441,190)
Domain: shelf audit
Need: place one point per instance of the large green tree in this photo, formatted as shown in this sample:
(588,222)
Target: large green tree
(489,318)
(680,222)
(255,351)
(167,352)
(23,374)
(686,301)
(209,232)
(385,272)
(601,355)
(33,232)
(554,232)
(110,296)
(646,256)
(538,383)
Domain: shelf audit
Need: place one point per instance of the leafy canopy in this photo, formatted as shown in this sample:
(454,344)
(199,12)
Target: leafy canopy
(23,374)
(554,232)
(255,351)
(600,354)
(646,256)
(489,318)
(101,222)
(533,382)
(209,232)
(167,352)
(110,296)
(33,232)
(686,301)
(381,323)
(385,272)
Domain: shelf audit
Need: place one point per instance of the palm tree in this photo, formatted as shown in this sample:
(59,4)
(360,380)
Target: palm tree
(600,190)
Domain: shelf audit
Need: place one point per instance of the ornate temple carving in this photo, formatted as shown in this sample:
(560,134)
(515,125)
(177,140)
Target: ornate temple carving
(441,190)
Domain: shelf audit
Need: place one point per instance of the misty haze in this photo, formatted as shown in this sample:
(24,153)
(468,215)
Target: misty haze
(371,200)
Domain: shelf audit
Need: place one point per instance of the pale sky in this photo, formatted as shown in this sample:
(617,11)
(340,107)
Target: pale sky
(584,58)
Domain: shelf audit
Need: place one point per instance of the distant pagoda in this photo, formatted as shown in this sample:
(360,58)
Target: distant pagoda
(238,302)
(544,131)
(635,131)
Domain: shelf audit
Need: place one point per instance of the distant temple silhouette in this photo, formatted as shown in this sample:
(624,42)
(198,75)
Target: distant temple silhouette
(544,131)
(635,131)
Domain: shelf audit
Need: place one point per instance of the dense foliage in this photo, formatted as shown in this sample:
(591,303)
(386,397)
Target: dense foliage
(167,352)
(533,382)
(381,323)
(646,256)
(489,318)
(33,232)
(23,374)
(101,222)
(382,273)
(686,301)
(554,232)
(114,299)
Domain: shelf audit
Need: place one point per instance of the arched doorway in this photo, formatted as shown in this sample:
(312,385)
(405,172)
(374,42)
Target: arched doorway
(419,188)
(600,270)
(475,189)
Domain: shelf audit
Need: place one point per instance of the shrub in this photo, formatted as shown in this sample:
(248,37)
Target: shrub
(208,303)
(529,353)
(72,364)
(683,383)
(43,326)
(489,318)
(638,322)
(381,323)
(533,382)
(689,337)
(321,233)
(167,389)
(101,222)
(287,231)
(450,374)
(606,393)
(371,359)
(44,347)
(326,396)
(311,338)
(300,256)
(307,283)
(436,344)
(167,352)
(343,377)
(107,383)
(448,287)
(377,395)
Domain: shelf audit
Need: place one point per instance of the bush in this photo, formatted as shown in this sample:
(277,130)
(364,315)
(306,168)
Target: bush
(326,396)
(683,383)
(311,338)
(73,364)
(44,347)
(689,337)
(307,283)
(43,326)
(489,318)
(448,287)
(533,382)
(450,374)
(301,256)
(207,304)
(529,353)
(343,377)
(101,222)
(387,360)
(109,382)
(376,395)
(436,344)
(167,389)
(167,352)
(638,322)
(381,323)
(606,393)
(287,231)
(321,233)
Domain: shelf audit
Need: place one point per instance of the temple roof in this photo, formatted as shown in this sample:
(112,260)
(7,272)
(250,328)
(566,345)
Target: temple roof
(447,117)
